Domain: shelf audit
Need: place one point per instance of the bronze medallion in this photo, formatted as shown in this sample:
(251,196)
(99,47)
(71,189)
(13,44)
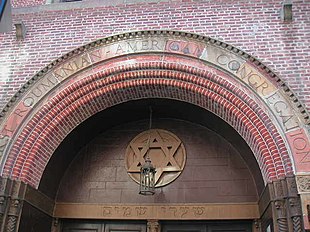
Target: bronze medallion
(165,150)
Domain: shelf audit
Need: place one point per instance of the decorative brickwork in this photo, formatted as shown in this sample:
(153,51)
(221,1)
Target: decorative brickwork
(62,113)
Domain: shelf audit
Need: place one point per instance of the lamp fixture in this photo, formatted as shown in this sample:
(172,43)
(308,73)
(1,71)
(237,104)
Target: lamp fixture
(147,170)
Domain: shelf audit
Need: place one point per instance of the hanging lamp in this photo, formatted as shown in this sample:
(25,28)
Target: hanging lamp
(147,170)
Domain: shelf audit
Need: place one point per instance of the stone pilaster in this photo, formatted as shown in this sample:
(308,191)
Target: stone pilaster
(15,206)
(303,186)
(279,207)
(153,226)
(5,189)
(294,205)
(287,212)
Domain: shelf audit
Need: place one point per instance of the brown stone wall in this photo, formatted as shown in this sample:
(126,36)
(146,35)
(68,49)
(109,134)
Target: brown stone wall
(214,171)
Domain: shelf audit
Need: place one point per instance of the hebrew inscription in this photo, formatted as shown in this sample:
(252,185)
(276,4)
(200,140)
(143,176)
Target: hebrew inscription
(167,212)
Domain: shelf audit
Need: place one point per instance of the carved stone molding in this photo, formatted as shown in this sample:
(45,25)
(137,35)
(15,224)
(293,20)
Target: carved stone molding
(303,183)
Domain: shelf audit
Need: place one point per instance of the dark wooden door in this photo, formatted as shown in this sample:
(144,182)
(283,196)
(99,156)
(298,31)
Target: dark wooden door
(102,226)
(228,228)
(124,227)
(207,227)
(184,228)
(71,226)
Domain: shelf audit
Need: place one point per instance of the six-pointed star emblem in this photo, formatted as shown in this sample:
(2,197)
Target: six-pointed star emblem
(165,150)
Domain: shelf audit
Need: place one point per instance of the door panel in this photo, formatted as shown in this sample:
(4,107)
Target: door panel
(184,228)
(207,227)
(82,227)
(230,228)
(126,227)
(102,226)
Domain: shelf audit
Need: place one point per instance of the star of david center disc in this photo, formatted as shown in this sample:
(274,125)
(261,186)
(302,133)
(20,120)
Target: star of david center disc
(165,150)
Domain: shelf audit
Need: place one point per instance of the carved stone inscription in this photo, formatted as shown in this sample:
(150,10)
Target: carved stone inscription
(255,80)
(222,58)
(127,47)
(299,143)
(168,212)
(185,47)
(42,87)
(283,111)
(244,71)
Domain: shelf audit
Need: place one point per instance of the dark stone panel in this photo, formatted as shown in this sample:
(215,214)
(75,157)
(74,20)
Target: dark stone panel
(214,171)
(33,220)
(266,220)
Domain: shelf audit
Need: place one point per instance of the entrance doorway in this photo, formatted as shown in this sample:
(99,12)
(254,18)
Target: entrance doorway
(102,226)
(210,226)
(138,226)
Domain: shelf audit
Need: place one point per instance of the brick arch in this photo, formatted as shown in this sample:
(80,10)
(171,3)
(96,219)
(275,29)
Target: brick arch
(147,76)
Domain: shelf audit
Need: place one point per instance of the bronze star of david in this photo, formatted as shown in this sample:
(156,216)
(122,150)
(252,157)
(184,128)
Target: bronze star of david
(166,151)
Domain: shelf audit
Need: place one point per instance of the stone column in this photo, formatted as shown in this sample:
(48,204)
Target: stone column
(279,207)
(287,210)
(153,226)
(15,206)
(294,205)
(303,184)
(5,189)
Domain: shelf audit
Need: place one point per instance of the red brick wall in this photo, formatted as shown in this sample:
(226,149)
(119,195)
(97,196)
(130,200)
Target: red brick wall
(214,170)
(254,26)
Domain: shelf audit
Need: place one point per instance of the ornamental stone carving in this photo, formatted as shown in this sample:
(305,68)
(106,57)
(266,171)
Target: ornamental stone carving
(303,183)
(166,151)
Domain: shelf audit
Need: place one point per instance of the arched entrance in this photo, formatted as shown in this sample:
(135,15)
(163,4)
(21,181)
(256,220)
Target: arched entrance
(162,65)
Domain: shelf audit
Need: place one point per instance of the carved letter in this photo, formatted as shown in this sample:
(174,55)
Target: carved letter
(29,101)
(19,112)
(119,50)
(155,44)
(145,45)
(132,47)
